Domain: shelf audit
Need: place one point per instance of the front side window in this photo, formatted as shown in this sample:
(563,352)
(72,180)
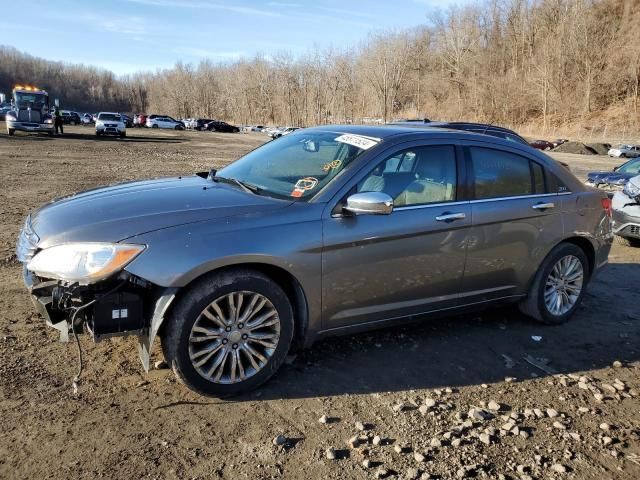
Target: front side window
(499,174)
(416,176)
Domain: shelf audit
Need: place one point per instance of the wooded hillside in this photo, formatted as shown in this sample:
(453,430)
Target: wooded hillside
(513,62)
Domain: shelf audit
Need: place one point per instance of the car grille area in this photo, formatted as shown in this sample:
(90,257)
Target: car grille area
(630,231)
(27,244)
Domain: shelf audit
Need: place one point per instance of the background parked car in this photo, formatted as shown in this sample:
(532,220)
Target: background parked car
(201,122)
(3,112)
(626,213)
(86,119)
(542,145)
(164,122)
(283,131)
(70,118)
(559,141)
(615,179)
(139,120)
(625,151)
(218,126)
(128,121)
(110,123)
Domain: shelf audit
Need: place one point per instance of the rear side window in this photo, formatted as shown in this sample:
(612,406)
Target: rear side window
(500,174)
(538,178)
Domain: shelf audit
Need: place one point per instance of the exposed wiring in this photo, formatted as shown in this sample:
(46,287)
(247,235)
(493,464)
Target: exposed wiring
(76,310)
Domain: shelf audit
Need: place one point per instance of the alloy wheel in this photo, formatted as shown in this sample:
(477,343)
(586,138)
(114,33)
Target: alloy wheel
(234,337)
(564,285)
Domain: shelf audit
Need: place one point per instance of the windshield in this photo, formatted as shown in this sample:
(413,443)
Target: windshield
(33,100)
(298,165)
(109,117)
(632,166)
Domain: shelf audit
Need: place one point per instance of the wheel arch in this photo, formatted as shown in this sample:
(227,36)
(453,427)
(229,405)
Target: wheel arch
(282,277)
(587,247)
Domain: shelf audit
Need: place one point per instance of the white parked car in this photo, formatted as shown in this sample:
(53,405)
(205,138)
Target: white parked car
(283,131)
(165,122)
(625,151)
(86,119)
(109,123)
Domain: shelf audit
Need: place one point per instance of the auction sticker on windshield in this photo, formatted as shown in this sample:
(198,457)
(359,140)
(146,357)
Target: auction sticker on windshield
(360,141)
(304,184)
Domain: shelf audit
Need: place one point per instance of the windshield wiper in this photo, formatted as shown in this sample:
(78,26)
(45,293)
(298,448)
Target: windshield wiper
(247,187)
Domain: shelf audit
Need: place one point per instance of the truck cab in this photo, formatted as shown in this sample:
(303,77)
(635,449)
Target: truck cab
(29,111)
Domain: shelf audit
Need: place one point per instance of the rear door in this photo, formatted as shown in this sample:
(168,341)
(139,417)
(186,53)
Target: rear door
(516,221)
(379,267)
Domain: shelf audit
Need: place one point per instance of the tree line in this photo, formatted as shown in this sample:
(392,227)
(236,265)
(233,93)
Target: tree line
(509,62)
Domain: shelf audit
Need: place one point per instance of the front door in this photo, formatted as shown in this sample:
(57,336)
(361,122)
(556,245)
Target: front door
(379,267)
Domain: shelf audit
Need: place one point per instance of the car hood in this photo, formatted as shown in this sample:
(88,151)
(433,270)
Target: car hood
(609,177)
(117,212)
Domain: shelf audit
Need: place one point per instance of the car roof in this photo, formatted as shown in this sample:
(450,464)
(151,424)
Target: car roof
(390,130)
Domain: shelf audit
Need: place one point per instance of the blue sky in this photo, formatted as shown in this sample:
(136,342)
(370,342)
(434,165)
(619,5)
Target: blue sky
(132,35)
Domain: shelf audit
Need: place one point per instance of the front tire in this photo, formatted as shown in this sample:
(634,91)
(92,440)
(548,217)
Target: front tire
(11,131)
(154,126)
(229,333)
(559,285)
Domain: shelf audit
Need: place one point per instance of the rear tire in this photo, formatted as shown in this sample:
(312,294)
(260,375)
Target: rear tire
(231,344)
(627,241)
(541,290)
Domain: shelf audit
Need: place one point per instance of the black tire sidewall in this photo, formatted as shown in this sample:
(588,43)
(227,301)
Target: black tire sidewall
(559,252)
(175,340)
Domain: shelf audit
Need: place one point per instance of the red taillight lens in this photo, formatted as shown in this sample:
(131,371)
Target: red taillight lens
(606,205)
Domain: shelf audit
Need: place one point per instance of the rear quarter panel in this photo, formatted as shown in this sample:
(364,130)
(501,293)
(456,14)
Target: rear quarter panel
(585,217)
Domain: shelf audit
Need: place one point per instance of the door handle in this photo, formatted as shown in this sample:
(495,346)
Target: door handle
(543,206)
(449,217)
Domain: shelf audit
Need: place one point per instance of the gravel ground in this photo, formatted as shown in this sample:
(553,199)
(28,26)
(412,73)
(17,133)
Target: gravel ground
(490,395)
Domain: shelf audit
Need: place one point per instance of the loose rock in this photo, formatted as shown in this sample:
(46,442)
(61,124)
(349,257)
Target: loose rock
(280,440)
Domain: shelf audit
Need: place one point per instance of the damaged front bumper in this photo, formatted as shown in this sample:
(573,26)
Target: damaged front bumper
(123,306)
(625,216)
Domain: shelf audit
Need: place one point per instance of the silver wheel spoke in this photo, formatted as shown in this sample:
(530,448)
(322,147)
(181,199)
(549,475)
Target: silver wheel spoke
(206,357)
(564,285)
(234,337)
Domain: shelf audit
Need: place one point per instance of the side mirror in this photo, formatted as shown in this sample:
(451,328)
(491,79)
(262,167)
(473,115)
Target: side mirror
(369,203)
(311,146)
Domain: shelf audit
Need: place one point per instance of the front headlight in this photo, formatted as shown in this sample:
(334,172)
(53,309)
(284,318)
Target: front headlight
(48,120)
(84,263)
(631,189)
(10,116)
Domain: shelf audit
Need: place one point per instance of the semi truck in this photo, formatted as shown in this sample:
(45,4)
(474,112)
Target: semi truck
(30,111)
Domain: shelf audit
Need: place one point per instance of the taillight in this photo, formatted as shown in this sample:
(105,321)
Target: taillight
(606,205)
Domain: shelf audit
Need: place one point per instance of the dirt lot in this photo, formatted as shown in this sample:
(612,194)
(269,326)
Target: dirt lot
(413,386)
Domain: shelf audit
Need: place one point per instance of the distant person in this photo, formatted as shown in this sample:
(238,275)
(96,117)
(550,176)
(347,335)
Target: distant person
(57,122)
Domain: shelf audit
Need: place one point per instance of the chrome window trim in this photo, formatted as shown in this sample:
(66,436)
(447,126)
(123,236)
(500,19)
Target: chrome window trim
(428,205)
(483,200)
(516,197)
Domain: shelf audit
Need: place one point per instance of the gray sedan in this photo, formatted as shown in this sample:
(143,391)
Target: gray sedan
(324,231)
